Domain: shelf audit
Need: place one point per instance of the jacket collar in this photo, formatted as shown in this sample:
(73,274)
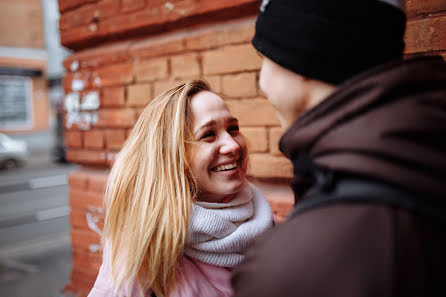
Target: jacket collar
(388,123)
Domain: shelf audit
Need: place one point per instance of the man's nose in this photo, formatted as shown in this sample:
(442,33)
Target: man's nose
(228,145)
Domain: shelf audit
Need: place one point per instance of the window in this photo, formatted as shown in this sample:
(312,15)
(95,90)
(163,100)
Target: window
(15,102)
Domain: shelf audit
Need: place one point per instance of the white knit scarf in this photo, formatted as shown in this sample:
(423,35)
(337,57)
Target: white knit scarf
(220,233)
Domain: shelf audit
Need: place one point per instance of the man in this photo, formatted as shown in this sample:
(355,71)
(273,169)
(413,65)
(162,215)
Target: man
(369,154)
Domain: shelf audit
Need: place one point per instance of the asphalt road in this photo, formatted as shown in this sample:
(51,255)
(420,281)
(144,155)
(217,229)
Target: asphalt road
(35,255)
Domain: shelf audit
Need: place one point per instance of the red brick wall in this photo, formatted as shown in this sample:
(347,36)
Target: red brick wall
(426,27)
(87,218)
(128,51)
(127,75)
(87,22)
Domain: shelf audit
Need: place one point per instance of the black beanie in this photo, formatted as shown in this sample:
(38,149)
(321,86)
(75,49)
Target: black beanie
(329,40)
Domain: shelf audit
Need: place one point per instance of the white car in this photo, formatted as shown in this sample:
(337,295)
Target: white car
(12,152)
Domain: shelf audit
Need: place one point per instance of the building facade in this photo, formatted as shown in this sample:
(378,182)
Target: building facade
(24,104)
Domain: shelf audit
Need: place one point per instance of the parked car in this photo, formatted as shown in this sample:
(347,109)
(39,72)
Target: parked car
(13,153)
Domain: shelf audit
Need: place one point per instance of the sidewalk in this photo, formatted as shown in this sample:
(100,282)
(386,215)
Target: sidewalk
(35,256)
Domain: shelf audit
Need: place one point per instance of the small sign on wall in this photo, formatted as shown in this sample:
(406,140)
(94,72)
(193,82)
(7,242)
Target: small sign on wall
(15,103)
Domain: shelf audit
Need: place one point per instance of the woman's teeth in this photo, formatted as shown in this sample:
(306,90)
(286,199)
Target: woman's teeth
(226,167)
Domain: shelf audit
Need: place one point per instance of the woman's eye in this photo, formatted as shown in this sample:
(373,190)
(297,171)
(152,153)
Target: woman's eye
(208,134)
(233,130)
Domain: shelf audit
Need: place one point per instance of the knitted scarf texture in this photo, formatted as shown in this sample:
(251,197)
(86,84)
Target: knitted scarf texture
(220,233)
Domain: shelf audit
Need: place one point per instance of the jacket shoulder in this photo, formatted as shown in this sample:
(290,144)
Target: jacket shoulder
(329,246)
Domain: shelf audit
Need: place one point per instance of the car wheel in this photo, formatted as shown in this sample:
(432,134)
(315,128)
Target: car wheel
(9,164)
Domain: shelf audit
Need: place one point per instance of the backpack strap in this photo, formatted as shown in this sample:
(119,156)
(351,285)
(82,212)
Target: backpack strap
(353,190)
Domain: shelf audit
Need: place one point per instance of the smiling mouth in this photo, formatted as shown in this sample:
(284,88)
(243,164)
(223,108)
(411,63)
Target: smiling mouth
(226,167)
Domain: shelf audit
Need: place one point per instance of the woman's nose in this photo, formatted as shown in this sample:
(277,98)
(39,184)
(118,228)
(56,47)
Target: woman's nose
(228,145)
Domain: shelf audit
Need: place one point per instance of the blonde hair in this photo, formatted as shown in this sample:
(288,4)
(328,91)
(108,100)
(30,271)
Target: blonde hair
(150,192)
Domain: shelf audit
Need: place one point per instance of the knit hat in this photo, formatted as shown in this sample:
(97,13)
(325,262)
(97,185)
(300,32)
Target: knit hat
(330,40)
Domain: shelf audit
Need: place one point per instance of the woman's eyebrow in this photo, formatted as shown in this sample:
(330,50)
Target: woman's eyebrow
(205,125)
(213,122)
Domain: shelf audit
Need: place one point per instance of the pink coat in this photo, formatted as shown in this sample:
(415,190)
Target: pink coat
(198,279)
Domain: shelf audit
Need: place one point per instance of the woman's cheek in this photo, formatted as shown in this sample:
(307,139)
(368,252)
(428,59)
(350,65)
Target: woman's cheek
(244,169)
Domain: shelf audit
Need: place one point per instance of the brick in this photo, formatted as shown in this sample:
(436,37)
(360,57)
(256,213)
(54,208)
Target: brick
(156,19)
(267,166)
(275,134)
(87,276)
(94,139)
(116,118)
(111,157)
(231,59)
(256,139)
(78,218)
(417,7)
(112,97)
(83,239)
(75,82)
(223,35)
(139,111)
(119,74)
(281,203)
(73,139)
(69,4)
(150,48)
(97,181)
(279,195)
(80,16)
(78,180)
(139,95)
(181,9)
(104,55)
(281,209)
(115,138)
(127,22)
(82,120)
(253,112)
(131,5)
(185,65)
(240,85)
(86,157)
(81,281)
(77,286)
(74,290)
(215,82)
(162,86)
(107,8)
(426,35)
(73,36)
(150,18)
(207,6)
(88,14)
(83,200)
(87,261)
(150,70)
(260,92)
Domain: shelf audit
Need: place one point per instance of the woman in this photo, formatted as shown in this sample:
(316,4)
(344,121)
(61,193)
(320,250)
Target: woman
(179,211)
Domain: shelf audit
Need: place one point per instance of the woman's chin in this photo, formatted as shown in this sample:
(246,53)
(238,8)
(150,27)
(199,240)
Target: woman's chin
(233,187)
(219,192)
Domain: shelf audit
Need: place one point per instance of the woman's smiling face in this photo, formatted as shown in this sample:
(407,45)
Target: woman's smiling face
(218,157)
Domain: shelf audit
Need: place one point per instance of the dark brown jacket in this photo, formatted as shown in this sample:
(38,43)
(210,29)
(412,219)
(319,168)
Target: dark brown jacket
(387,124)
